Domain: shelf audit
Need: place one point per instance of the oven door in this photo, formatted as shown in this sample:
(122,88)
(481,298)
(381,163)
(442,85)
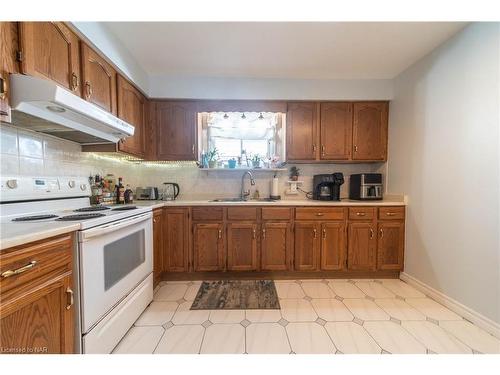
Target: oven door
(114,259)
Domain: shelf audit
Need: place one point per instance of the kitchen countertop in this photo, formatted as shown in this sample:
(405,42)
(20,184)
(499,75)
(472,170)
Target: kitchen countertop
(13,234)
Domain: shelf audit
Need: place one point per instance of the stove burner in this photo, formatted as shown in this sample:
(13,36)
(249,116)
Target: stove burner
(80,217)
(34,217)
(124,208)
(92,208)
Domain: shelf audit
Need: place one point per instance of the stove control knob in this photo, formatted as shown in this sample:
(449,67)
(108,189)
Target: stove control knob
(71,184)
(12,184)
(83,187)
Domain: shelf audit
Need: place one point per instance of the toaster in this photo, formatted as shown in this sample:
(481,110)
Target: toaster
(147,193)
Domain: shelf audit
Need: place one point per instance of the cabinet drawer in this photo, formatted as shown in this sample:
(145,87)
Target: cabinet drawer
(242,213)
(317,213)
(281,213)
(207,213)
(34,260)
(362,213)
(391,213)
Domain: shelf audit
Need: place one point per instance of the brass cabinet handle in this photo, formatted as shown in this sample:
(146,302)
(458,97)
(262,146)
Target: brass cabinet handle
(360,213)
(220,233)
(355,148)
(71,298)
(390,213)
(263,233)
(381,233)
(323,150)
(314,148)
(74,81)
(192,149)
(20,270)
(320,214)
(155,220)
(88,88)
(254,234)
(315,233)
(324,234)
(371,234)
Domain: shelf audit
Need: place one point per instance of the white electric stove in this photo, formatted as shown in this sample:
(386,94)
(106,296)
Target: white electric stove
(113,256)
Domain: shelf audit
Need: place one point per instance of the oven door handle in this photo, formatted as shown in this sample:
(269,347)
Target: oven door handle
(99,231)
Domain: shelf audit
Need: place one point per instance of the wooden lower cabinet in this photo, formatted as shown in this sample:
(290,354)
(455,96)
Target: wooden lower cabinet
(307,246)
(242,247)
(37,305)
(276,246)
(175,239)
(208,247)
(390,245)
(362,246)
(333,246)
(157,245)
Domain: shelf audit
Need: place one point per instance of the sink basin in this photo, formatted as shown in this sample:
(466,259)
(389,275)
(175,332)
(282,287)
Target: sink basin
(242,200)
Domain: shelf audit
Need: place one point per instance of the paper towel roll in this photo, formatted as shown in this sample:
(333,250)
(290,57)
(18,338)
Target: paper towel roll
(274,187)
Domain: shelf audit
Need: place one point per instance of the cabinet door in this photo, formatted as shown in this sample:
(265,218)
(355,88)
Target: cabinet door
(301,131)
(306,246)
(241,247)
(157,246)
(336,131)
(208,247)
(176,131)
(362,246)
(390,245)
(8,64)
(132,108)
(50,50)
(39,319)
(99,80)
(370,131)
(175,240)
(333,246)
(276,245)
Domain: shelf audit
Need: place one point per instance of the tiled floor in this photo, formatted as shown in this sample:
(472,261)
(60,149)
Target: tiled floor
(316,316)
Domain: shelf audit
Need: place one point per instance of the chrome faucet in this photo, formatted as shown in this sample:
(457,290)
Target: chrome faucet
(246,193)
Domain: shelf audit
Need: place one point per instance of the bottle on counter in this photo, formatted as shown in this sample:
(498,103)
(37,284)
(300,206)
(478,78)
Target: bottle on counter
(120,192)
(129,195)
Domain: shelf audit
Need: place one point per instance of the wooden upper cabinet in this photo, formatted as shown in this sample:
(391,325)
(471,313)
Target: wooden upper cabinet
(176,129)
(301,131)
(333,246)
(9,45)
(276,246)
(50,50)
(390,245)
(208,247)
(99,80)
(307,246)
(175,240)
(132,109)
(335,131)
(362,246)
(242,247)
(370,131)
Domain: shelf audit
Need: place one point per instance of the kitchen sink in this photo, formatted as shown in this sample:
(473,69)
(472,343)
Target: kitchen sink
(242,200)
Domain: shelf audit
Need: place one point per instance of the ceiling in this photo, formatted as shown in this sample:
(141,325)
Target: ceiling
(329,50)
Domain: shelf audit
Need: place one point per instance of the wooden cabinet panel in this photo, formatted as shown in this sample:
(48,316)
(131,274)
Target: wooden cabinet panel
(176,130)
(362,246)
(242,213)
(301,131)
(175,239)
(242,247)
(277,213)
(9,45)
(208,247)
(276,245)
(306,246)
(391,213)
(317,213)
(99,80)
(362,213)
(370,130)
(131,106)
(157,245)
(207,213)
(336,131)
(333,246)
(390,245)
(50,50)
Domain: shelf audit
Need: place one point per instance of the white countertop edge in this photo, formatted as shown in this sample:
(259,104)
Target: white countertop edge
(11,241)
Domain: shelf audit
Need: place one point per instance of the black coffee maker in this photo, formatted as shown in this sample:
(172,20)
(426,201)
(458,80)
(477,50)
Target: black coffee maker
(326,187)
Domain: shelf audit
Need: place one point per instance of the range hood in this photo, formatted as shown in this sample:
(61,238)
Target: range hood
(42,106)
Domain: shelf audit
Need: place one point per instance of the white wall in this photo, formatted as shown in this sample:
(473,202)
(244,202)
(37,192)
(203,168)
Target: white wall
(268,88)
(444,154)
(114,50)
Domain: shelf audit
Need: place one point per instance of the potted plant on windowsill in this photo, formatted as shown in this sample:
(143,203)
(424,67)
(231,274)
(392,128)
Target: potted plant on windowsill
(256,159)
(212,157)
(294,173)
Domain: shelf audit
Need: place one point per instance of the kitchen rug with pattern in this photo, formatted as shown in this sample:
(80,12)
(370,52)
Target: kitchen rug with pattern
(236,295)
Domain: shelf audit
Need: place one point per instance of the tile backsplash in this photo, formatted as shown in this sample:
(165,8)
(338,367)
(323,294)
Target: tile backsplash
(28,153)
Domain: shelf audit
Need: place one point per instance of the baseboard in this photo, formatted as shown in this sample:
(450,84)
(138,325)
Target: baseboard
(455,306)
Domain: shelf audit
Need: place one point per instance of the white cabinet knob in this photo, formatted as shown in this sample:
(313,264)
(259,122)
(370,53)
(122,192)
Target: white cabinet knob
(12,184)
(83,187)
(71,184)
